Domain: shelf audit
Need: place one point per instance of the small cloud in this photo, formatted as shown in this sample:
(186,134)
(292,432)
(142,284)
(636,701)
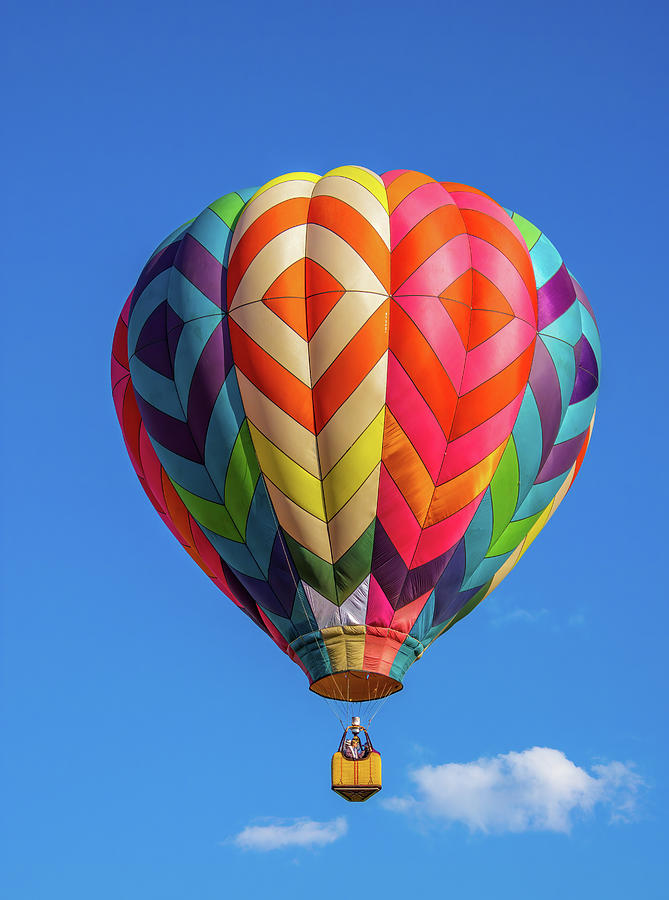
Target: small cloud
(500,617)
(400,804)
(290,833)
(621,784)
(518,615)
(538,789)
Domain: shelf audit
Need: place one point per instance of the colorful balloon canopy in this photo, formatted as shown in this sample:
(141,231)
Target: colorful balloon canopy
(355,400)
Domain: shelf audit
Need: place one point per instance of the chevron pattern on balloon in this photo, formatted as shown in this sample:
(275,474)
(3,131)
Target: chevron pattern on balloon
(190,404)
(309,281)
(463,325)
(356,399)
(548,442)
(157,484)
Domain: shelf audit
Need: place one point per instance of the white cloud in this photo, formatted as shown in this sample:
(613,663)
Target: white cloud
(297,833)
(500,617)
(538,789)
(518,615)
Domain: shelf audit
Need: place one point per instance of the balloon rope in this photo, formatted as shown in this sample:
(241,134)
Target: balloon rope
(381,702)
(333,710)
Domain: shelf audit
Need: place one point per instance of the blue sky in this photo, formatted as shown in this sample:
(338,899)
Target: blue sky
(129,681)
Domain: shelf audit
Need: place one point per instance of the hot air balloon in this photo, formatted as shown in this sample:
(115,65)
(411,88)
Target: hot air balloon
(355,400)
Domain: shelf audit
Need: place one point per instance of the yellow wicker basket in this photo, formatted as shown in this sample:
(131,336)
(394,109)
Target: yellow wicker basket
(356,779)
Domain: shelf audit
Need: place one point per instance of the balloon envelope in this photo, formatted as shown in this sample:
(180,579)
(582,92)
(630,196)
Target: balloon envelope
(356,400)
